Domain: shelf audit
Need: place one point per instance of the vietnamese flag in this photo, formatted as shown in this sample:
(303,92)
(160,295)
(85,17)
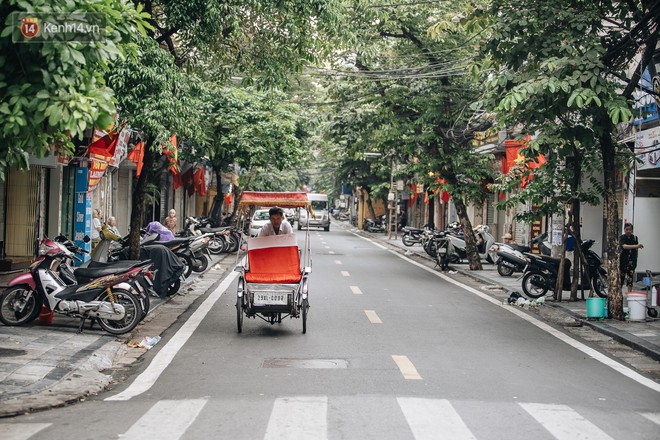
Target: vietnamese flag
(172,154)
(137,157)
(105,146)
(200,181)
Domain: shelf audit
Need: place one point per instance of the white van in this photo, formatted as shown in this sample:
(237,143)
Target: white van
(320,207)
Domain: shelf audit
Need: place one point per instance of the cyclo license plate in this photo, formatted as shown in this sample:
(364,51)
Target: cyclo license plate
(270,298)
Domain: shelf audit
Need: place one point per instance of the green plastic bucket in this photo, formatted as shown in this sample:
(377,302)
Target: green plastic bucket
(596,307)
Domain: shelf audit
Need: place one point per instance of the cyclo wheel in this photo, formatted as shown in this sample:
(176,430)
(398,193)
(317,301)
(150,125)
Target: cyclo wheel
(239,313)
(305,307)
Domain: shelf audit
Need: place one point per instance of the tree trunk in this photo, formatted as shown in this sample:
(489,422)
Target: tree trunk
(216,213)
(138,200)
(612,227)
(470,242)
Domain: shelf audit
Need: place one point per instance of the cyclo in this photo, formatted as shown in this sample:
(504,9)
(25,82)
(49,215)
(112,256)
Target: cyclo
(273,281)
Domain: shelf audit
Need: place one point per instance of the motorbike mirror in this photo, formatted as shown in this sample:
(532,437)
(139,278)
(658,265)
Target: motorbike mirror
(86,239)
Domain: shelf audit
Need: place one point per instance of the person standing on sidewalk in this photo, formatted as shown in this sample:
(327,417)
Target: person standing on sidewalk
(170,221)
(628,260)
(96,227)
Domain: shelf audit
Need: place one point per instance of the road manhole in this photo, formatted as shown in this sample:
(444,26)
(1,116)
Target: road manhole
(10,352)
(304,363)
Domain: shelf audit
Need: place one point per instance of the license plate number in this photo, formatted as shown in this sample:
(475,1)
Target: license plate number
(442,250)
(267,299)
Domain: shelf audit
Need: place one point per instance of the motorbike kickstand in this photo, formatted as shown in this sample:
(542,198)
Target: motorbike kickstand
(82,324)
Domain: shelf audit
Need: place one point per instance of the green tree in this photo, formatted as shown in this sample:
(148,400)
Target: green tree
(407,82)
(52,92)
(566,80)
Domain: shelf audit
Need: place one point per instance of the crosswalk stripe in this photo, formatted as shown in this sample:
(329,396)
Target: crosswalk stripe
(338,262)
(563,422)
(166,420)
(21,431)
(373,317)
(298,418)
(407,368)
(433,419)
(356,290)
(345,273)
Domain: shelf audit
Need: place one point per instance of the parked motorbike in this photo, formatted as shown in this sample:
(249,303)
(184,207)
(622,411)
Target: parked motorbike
(117,310)
(141,286)
(445,251)
(373,225)
(412,236)
(169,267)
(220,240)
(510,258)
(484,242)
(542,271)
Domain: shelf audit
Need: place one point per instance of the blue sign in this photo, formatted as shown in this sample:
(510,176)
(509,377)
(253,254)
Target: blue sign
(82,221)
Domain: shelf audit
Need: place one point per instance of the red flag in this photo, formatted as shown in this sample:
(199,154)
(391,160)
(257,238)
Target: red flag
(200,181)
(172,153)
(176,181)
(137,157)
(106,145)
(426,197)
(188,181)
(228,199)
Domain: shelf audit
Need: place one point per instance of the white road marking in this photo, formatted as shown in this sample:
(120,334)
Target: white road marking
(628,372)
(21,431)
(356,290)
(149,376)
(298,418)
(345,273)
(331,252)
(166,420)
(338,262)
(327,247)
(563,422)
(654,417)
(432,419)
(406,367)
(373,317)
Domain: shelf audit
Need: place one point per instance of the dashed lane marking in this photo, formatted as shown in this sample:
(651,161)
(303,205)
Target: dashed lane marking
(356,290)
(373,317)
(345,273)
(406,367)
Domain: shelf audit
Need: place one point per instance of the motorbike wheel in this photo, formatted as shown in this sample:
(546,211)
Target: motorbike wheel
(431,248)
(235,241)
(200,264)
(145,304)
(173,288)
(534,284)
(407,240)
(217,245)
(601,286)
(503,270)
(443,261)
(19,305)
(187,262)
(132,309)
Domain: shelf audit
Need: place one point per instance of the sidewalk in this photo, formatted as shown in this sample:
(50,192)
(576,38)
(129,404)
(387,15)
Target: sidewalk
(642,336)
(46,366)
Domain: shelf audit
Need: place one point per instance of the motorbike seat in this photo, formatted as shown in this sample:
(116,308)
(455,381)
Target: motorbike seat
(170,243)
(108,269)
(213,230)
(411,229)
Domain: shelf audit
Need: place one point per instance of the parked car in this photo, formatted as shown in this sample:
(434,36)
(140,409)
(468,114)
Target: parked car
(258,221)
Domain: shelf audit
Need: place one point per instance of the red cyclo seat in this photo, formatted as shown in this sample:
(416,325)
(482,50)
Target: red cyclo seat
(273,260)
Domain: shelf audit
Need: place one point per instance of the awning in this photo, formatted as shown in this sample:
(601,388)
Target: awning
(269,199)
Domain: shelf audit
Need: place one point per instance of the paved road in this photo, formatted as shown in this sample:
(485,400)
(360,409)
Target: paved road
(393,351)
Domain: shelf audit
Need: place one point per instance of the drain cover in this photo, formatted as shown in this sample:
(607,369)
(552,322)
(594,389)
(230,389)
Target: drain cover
(304,363)
(9,352)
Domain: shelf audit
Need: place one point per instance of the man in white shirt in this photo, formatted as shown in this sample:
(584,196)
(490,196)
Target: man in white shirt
(277,224)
